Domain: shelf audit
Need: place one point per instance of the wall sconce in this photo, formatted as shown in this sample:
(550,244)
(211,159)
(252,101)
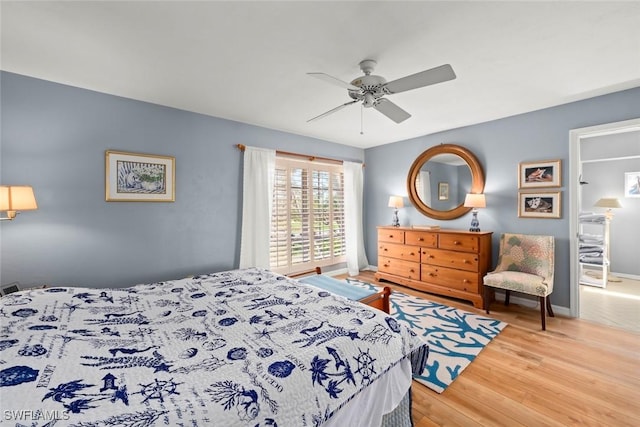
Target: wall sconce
(396,203)
(16,198)
(475,201)
(609,203)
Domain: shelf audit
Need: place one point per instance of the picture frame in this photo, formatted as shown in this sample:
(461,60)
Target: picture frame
(632,184)
(137,177)
(547,173)
(443,191)
(543,204)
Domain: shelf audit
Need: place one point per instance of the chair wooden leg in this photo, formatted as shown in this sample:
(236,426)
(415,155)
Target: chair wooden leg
(487,296)
(549,309)
(507,294)
(543,304)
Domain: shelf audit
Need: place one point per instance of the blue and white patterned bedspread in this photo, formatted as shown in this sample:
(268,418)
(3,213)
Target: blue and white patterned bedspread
(243,347)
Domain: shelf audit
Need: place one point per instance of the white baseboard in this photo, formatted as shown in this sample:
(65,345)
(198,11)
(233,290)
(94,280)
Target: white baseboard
(532,303)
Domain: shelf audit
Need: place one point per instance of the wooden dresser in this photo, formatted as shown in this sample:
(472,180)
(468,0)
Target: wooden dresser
(444,262)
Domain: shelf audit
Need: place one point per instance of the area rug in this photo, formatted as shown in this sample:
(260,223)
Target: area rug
(455,336)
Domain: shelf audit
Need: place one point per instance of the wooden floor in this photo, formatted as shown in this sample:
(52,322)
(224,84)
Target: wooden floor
(575,373)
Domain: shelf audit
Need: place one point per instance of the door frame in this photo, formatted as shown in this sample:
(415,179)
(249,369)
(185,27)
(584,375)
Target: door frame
(575,169)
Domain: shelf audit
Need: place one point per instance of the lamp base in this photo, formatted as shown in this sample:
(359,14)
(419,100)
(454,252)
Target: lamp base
(396,221)
(475,224)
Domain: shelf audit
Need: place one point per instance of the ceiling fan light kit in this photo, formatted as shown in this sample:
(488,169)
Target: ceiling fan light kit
(370,89)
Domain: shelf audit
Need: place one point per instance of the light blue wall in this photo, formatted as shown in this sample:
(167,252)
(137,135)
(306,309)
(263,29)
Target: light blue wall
(499,146)
(54,138)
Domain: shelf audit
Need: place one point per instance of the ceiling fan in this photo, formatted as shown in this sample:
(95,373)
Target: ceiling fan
(371,89)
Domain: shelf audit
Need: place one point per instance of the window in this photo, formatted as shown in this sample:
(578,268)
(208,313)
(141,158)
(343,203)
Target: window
(307,222)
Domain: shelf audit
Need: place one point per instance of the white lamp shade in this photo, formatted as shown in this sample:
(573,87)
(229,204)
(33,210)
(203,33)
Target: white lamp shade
(475,201)
(17,198)
(608,202)
(396,202)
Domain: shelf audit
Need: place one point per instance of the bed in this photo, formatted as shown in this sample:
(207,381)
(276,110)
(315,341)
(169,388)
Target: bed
(241,347)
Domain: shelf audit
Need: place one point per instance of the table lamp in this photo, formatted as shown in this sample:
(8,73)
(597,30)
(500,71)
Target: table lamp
(396,203)
(475,201)
(609,203)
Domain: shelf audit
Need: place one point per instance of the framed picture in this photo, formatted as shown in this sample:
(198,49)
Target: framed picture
(443,191)
(632,184)
(134,177)
(544,204)
(539,174)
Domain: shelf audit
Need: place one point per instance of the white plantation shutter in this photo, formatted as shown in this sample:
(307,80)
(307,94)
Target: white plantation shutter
(338,221)
(279,239)
(307,222)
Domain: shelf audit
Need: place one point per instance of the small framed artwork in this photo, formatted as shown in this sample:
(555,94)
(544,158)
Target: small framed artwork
(632,184)
(539,174)
(443,191)
(544,204)
(134,177)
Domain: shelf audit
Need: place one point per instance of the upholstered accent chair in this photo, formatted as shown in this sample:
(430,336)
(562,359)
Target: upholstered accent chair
(525,265)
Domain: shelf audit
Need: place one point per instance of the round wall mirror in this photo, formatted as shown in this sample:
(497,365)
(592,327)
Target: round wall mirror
(441,177)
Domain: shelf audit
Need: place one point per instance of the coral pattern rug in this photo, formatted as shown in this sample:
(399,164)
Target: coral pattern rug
(455,336)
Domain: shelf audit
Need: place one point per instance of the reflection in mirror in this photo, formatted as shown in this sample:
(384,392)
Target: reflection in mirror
(448,177)
(441,177)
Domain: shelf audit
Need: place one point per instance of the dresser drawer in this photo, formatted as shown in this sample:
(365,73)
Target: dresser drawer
(459,242)
(460,260)
(398,267)
(393,250)
(391,236)
(450,278)
(421,238)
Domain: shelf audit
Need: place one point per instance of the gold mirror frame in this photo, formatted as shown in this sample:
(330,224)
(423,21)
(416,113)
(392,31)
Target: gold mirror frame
(477,180)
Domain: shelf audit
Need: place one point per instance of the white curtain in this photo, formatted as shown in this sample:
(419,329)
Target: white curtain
(424,190)
(354,235)
(257,192)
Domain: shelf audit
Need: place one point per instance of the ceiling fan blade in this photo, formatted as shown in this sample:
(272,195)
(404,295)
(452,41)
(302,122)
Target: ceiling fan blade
(334,81)
(439,74)
(391,110)
(340,107)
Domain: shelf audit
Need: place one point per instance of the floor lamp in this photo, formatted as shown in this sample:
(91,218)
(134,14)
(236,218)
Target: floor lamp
(609,203)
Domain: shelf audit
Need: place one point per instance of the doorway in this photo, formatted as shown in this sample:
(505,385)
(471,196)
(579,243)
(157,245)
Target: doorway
(596,171)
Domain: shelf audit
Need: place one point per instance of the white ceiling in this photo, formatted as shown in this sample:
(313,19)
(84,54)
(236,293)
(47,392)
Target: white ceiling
(247,61)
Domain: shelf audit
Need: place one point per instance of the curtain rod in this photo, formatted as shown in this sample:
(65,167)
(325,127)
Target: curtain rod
(241,147)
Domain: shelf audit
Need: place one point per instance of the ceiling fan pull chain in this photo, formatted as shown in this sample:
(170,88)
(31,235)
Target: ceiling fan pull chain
(361,119)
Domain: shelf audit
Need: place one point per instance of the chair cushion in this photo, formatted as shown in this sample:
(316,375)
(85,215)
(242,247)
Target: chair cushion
(519,282)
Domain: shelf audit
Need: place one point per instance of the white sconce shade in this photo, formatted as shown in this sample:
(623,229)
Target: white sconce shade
(14,198)
(475,201)
(607,202)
